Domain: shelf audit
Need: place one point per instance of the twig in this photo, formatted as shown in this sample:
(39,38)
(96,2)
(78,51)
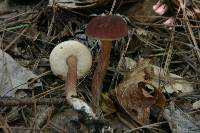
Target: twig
(43,94)
(190,29)
(169,55)
(24,128)
(112,8)
(1,28)
(9,101)
(14,17)
(125,122)
(15,39)
(146,126)
(57,128)
(3,122)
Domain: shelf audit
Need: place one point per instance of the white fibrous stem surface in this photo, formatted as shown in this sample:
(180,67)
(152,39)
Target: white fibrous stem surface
(80,105)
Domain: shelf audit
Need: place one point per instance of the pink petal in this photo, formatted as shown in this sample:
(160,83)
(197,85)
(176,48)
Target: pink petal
(169,23)
(158,4)
(162,9)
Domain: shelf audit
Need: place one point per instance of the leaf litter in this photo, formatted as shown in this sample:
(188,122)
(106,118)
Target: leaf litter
(153,75)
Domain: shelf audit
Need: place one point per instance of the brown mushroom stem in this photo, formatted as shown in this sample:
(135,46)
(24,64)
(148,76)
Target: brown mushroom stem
(100,72)
(71,80)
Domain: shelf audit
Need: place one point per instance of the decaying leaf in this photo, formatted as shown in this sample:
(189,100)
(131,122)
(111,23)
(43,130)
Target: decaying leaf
(131,94)
(179,121)
(77,4)
(12,75)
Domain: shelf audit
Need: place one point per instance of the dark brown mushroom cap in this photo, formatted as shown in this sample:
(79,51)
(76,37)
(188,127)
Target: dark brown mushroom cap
(107,28)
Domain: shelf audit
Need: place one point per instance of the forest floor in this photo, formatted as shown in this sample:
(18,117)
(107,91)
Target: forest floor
(151,84)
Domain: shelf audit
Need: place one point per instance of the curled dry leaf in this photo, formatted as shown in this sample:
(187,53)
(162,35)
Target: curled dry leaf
(131,94)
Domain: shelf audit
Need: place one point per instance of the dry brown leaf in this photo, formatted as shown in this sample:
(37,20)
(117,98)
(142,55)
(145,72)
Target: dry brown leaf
(131,94)
(160,98)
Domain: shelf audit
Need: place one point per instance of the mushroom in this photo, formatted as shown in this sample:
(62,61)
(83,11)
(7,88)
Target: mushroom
(107,29)
(71,60)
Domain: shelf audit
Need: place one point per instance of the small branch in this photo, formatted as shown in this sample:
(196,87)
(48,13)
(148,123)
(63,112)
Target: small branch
(9,101)
(146,126)
(5,127)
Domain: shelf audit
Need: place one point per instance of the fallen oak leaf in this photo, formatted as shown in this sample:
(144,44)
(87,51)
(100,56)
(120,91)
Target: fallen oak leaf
(131,94)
